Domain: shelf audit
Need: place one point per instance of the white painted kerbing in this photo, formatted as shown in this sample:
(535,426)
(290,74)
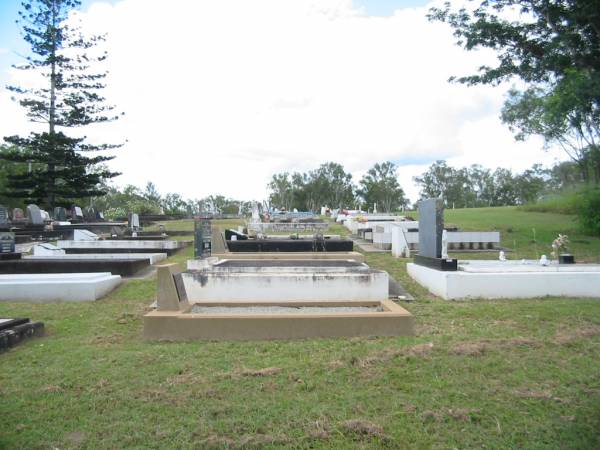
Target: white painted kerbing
(510,283)
(152,257)
(57,287)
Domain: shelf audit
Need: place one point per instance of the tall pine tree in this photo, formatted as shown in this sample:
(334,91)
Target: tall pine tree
(70,98)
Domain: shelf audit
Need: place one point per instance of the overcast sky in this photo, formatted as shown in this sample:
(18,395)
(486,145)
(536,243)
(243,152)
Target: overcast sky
(220,94)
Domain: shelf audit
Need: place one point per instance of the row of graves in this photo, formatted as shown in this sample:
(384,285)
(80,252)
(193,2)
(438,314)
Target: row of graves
(450,278)
(281,231)
(400,234)
(282,290)
(84,267)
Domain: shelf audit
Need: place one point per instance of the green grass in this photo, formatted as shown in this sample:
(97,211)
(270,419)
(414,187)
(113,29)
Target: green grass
(498,374)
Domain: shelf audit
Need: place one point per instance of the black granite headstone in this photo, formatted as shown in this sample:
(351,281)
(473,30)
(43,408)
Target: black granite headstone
(431,227)
(7,242)
(89,214)
(60,214)
(202,238)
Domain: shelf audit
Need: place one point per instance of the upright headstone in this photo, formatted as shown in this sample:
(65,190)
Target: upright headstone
(34,215)
(133,220)
(255,213)
(45,215)
(7,242)
(100,216)
(76,213)
(3,216)
(431,228)
(202,238)
(60,214)
(89,214)
(18,215)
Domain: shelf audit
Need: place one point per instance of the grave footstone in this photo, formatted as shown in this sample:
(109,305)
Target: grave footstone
(60,214)
(34,215)
(431,227)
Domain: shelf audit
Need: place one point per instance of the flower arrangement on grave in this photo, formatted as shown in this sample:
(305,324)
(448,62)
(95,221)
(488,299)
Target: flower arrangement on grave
(362,219)
(560,245)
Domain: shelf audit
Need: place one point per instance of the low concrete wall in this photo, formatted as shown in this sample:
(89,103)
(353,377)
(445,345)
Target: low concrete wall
(45,288)
(508,284)
(123,245)
(153,258)
(356,256)
(183,326)
(278,286)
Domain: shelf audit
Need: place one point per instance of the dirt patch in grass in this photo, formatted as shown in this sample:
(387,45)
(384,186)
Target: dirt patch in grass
(478,348)
(461,414)
(364,428)
(110,339)
(538,395)
(215,441)
(387,354)
(260,440)
(184,378)
(567,337)
(320,430)
(75,437)
(51,388)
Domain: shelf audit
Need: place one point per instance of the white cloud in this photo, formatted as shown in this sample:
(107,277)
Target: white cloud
(219,95)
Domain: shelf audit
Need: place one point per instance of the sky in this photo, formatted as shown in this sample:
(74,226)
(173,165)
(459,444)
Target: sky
(219,95)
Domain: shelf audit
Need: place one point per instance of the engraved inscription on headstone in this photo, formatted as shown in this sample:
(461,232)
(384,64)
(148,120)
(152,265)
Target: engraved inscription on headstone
(34,215)
(7,242)
(431,225)
(3,215)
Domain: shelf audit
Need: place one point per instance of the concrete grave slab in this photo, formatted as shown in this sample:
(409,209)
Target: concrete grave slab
(44,288)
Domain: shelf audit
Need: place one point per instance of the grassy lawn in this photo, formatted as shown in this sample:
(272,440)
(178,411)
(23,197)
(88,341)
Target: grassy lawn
(494,374)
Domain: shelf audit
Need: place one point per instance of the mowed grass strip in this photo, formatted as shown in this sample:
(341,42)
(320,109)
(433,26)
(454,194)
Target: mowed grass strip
(499,374)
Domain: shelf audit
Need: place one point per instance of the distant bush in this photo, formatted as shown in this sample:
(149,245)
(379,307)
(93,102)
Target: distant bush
(565,202)
(588,212)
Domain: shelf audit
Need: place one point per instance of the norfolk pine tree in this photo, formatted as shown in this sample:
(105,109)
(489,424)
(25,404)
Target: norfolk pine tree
(69,99)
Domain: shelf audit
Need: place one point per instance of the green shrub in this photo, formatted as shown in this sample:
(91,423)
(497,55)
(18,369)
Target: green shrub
(588,211)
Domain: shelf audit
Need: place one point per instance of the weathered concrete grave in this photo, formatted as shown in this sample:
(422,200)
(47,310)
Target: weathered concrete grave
(179,317)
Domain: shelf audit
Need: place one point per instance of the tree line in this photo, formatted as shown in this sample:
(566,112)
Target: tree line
(330,185)
(477,186)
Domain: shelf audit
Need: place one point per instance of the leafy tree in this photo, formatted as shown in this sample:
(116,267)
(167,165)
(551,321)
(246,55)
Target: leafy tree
(380,185)
(62,56)
(281,191)
(554,48)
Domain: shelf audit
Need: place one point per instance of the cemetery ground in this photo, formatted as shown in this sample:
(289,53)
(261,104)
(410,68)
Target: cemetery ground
(494,374)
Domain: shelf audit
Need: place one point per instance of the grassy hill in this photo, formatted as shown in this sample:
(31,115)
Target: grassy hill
(494,374)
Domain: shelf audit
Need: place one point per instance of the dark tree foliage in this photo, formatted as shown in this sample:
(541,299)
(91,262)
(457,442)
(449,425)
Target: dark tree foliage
(554,47)
(476,186)
(70,98)
(328,185)
(380,186)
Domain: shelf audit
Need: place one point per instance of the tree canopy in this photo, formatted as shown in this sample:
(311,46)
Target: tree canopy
(69,98)
(554,48)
